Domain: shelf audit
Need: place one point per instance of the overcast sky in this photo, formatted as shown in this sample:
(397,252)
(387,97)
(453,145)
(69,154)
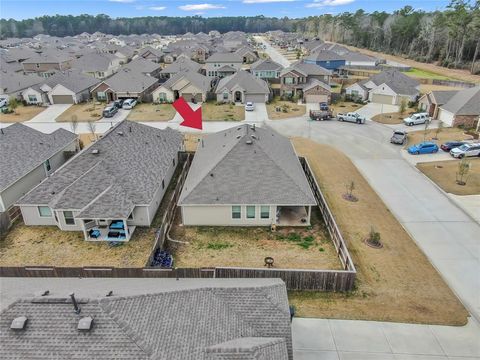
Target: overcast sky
(22,9)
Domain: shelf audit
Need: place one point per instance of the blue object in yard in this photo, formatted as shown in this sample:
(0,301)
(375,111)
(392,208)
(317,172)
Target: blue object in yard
(425,147)
(162,259)
(116,225)
(94,233)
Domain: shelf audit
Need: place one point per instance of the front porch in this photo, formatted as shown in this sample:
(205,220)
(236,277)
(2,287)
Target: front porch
(293,215)
(107,230)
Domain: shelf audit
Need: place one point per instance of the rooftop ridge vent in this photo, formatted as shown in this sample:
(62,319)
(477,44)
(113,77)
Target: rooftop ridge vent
(254,136)
(19,323)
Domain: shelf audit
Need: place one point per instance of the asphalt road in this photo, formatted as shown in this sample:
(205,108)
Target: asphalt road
(273,53)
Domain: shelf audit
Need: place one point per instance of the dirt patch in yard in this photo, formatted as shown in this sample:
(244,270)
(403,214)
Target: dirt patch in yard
(287,109)
(152,112)
(446,134)
(213,111)
(22,113)
(444,174)
(392,118)
(345,107)
(396,283)
(291,248)
(82,113)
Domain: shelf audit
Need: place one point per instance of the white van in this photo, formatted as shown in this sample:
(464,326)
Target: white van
(417,118)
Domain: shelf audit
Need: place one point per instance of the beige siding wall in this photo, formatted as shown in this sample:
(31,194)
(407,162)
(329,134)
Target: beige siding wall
(31,216)
(61,222)
(221,215)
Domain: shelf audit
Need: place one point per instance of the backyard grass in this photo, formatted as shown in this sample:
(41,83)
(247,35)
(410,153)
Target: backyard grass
(446,134)
(392,118)
(426,88)
(22,113)
(396,283)
(82,113)
(425,74)
(291,248)
(222,112)
(287,109)
(152,112)
(444,174)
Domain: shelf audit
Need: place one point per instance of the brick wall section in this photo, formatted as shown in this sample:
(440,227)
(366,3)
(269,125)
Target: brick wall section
(465,120)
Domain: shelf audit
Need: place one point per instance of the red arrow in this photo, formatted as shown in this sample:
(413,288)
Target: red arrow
(191,118)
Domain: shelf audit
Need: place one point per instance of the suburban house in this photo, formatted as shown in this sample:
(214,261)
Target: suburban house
(463,108)
(308,82)
(223,64)
(110,187)
(48,61)
(327,59)
(28,157)
(242,87)
(246,176)
(266,69)
(204,322)
(432,101)
(125,84)
(187,84)
(145,67)
(247,54)
(388,87)
(13,84)
(150,53)
(69,87)
(180,65)
(98,65)
(353,59)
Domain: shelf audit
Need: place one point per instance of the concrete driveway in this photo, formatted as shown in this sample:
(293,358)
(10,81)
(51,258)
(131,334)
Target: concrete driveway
(259,114)
(446,234)
(50,113)
(372,109)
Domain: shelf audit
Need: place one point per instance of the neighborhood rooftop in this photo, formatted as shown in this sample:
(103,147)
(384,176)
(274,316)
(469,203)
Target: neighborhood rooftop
(191,324)
(23,149)
(258,163)
(108,178)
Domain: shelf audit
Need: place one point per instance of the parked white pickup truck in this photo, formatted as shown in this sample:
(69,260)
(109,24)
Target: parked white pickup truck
(351,117)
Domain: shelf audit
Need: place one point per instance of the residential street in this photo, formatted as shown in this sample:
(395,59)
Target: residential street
(273,53)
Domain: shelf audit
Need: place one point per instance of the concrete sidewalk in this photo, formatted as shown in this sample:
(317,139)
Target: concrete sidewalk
(318,339)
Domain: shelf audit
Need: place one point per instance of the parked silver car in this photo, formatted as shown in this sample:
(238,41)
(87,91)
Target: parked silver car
(399,137)
(466,150)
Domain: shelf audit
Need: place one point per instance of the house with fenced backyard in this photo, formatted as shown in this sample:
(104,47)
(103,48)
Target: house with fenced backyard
(463,108)
(241,87)
(188,84)
(246,176)
(28,157)
(111,187)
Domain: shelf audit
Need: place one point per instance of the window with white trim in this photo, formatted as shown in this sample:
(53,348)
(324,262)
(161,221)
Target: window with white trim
(44,211)
(265,212)
(69,219)
(236,212)
(32,98)
(250,211)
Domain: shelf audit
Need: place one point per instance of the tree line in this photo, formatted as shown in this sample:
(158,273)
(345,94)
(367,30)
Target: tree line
(450,37)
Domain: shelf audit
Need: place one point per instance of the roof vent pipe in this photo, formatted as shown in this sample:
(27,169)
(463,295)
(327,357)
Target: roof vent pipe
(75,304)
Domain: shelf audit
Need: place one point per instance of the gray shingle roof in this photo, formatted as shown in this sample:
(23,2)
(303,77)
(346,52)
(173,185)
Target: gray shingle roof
(94,62)
(126,80)
(198,80)
(224,58)
(72,80)
(11,82)
(131,163)
(266,64)
(248,82)
(464,102)
(307,69)
(169,325)
(141,65)
(442,96)
(23,149)
(249,348)
(181,64)
(324,55)
(397,81)
(227,170)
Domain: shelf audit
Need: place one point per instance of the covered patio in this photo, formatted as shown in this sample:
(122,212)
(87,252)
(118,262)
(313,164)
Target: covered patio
(293,215)
(107,230)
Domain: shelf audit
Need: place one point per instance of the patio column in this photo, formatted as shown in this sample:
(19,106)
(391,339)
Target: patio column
(84,230)
(309,211)
(125,227)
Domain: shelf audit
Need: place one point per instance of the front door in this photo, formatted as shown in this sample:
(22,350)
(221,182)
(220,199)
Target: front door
(175,94)
(238,96)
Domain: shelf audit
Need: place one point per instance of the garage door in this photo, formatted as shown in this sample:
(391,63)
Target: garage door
(445,116)
(188,97)
(316,98)
(256,98)
(62,99)
(382,99)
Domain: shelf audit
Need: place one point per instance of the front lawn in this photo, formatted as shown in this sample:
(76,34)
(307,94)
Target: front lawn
(395,283)
(446,134)
(291,248)
(392,118)
(279,109)
(444,174)
(84,112)
(152,112)
(212,111)
(22,113)
(345,107)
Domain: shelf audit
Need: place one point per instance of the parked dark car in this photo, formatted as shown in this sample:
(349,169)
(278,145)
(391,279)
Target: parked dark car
(109,111)
(449,145)
(323,106)
(118,103)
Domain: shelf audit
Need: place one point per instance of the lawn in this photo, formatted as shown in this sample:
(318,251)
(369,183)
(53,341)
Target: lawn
(344,107)
(425,74)
(446,134)
(152,112)
(396,283)
(426,88)
(22,113)
(287,109)
(443,173)
(392,118)
(82,112)
(212,111)
(49,246)
(292,248)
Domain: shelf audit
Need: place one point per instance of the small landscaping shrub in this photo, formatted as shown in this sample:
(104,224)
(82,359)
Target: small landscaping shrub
(294,237)
(374,238)
(218,245)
